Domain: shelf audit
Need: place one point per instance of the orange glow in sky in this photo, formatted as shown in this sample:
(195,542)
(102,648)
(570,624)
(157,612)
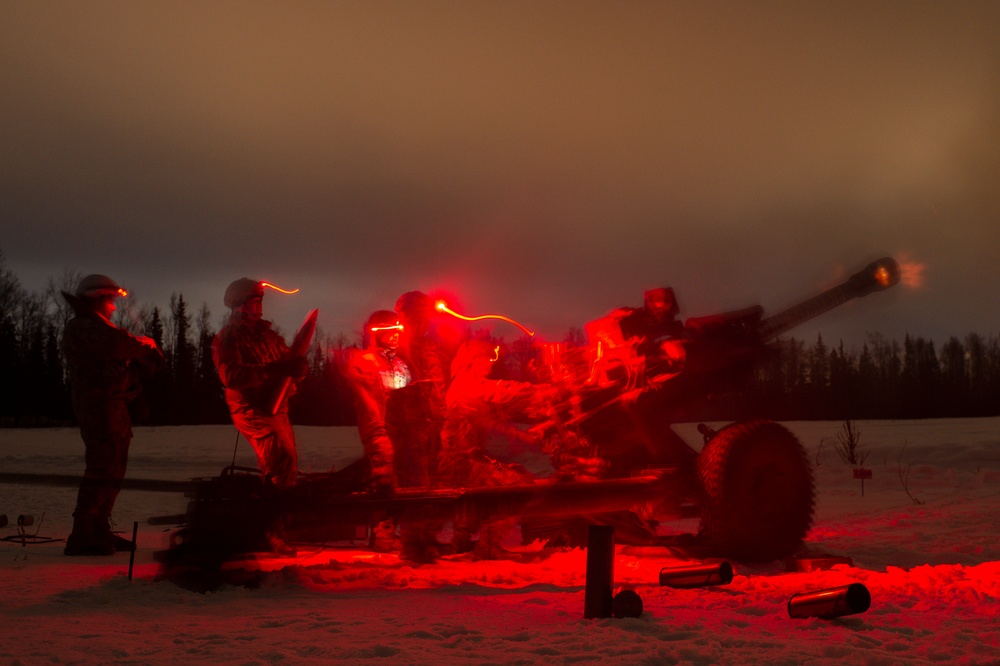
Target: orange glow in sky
(911,273)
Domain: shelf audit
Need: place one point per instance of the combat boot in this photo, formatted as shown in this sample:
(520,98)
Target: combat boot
(102,528)
(83,540)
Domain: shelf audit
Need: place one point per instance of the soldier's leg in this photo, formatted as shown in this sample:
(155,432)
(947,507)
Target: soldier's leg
(121,438)
(284,461)
(98,456)
(273,443)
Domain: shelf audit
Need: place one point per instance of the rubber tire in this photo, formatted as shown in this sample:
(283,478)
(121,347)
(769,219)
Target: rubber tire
(759,492)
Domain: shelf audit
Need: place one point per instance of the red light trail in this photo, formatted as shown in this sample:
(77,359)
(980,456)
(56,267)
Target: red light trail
(441,306)
(279,289)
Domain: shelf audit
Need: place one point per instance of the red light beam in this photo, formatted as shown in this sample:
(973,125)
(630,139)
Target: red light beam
(441,306)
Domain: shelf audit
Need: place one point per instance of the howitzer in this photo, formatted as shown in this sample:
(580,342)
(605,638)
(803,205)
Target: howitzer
(751,482)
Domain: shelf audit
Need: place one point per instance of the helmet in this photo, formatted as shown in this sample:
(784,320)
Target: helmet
(239,291)
(99,286)
(382,319)
(415,305)
(662,300)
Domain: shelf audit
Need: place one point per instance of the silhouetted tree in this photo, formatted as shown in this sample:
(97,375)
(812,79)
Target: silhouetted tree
(210,404)
(182,362)
(881,380)
(976,353)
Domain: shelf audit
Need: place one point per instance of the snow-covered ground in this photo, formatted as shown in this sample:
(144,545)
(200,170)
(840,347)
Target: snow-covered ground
(923,537)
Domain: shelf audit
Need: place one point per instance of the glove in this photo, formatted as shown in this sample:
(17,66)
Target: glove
(295,367)
(147,342)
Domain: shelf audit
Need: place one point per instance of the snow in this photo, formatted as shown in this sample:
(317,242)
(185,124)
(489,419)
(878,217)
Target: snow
(932,569)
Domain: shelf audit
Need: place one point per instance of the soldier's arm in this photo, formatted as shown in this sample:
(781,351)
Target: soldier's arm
(234,373)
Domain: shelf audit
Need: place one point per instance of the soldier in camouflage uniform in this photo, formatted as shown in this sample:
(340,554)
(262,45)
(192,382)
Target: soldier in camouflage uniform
(420,406)
(103,361)
(376,372)
(253,360)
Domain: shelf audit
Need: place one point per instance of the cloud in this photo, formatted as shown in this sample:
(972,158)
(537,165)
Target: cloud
(548,159)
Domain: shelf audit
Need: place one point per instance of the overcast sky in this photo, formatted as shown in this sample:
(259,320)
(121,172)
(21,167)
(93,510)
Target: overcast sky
(546,160)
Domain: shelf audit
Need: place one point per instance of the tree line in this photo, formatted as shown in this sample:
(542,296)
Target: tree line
(185,391)
(884,379)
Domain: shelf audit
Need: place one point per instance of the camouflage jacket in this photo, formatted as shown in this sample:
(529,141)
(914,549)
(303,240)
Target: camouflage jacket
(102,360)
(241,352)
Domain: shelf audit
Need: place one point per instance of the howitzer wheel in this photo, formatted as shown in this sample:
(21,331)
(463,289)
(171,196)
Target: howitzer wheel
(758,491)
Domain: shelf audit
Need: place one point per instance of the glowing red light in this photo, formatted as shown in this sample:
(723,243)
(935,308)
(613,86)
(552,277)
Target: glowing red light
(395,327)
(882,276)
(441,306)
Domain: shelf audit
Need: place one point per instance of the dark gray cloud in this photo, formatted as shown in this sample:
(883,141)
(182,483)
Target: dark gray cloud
(548,160)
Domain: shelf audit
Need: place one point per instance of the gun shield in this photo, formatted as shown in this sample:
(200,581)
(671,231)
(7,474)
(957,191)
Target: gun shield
(24,520)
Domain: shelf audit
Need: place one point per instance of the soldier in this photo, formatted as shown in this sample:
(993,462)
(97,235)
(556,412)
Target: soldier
(656,319)
(477,408)
(253,361)
(104,363)
(421,405)
(375,372)
(657,333)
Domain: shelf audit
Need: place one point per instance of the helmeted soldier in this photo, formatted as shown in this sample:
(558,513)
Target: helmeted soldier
(104,362)
(421,405)
(253,361)
(375,373)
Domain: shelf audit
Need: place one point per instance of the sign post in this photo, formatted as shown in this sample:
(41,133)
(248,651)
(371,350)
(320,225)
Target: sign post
(862,473)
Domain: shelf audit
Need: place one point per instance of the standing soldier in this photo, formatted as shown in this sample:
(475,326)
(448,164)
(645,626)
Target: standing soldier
(103,362)
(253,361)
(375,373)
(420,406)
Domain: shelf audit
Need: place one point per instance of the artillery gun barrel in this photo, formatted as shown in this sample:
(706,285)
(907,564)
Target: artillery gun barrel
(876,276)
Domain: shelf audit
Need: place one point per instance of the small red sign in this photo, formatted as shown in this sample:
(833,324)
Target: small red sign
(862,473)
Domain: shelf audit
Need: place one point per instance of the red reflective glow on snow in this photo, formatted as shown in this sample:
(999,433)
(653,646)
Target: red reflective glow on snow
(279,289)
(441,306)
